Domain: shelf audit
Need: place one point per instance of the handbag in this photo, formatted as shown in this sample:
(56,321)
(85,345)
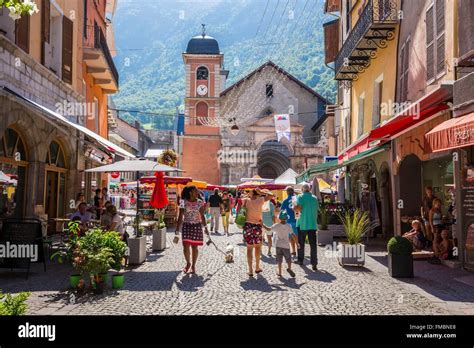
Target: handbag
(231,219)
(241,218)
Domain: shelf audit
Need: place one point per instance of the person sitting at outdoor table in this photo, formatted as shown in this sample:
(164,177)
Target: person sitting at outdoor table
(416,236)
(106,218)
(443,246)
(80,198)
(98,202)
(116,223)
(82,213)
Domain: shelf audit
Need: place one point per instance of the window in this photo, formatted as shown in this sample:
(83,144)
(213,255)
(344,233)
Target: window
(202,73)
(269,91)
(201,113)
(404,69)
(55,156)
(360,116)
(435,40)
(13,164)
(376,112)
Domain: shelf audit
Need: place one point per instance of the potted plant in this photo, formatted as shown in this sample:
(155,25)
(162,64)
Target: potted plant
(356,226)
(325,235)
(137,244)
(68,252)
(400,259)
(159,234)
(118,248)
(94,257)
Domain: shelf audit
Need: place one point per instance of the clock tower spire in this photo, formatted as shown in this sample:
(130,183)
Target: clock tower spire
(205,79)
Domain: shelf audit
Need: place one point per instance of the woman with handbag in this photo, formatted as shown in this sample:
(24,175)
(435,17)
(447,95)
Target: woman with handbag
(253,229)
(191,222)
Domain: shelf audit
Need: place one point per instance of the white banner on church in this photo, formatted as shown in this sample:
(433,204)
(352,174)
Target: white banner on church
(282,126)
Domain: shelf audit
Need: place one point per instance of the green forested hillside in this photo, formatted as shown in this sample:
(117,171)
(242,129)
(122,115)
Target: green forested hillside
(152,34)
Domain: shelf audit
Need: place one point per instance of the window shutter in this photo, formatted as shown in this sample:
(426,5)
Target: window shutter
(22,33)
(331,40)
(376,117)
(46,20)
(440,36)
(405,70)
(401,77)
(67,50)
(430,44)
(360,120)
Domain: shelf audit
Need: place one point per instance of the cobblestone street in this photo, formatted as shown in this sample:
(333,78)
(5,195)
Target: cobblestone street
(158,287)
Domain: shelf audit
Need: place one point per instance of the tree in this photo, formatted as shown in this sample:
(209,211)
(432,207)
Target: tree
(19,8)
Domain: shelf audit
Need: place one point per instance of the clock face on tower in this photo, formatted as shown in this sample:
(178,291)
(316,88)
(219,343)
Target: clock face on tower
(201,90)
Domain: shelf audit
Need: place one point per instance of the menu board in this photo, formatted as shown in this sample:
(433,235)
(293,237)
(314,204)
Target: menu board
(467,207)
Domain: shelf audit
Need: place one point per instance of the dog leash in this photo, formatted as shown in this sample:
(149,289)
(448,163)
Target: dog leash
(210,241)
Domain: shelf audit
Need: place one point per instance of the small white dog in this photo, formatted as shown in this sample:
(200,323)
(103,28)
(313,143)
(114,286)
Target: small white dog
(229,253)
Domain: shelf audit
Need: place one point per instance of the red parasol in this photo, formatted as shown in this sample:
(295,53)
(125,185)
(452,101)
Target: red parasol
(159,199)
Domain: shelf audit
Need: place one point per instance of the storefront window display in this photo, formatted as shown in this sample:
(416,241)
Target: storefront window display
(13,165)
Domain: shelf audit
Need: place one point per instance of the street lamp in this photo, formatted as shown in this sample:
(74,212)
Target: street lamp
(234,129)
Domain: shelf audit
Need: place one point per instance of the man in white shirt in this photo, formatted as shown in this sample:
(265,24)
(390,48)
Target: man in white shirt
(82,213)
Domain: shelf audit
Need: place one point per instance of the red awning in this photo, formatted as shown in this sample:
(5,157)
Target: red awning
(451,134)
(169,180)
(422,109)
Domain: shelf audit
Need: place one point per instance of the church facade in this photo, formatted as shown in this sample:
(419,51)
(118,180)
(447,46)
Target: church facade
(230,132)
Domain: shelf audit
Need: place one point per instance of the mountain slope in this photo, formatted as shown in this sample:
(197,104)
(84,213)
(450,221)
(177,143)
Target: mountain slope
(152,34)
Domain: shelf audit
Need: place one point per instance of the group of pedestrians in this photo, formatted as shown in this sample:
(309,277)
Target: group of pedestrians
(286,227)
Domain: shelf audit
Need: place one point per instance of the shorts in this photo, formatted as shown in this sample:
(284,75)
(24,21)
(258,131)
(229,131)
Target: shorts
(293,226)
(252,233)
(282,253)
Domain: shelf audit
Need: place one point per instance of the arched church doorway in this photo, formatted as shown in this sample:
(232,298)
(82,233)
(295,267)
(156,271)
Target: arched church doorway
(273,159)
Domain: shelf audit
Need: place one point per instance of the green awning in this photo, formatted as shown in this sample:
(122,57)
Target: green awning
(333,165)
(318,168)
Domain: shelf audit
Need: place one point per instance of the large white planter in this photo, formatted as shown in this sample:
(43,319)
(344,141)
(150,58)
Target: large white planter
(351,255)
(137,248)
(325,237)
(159,239)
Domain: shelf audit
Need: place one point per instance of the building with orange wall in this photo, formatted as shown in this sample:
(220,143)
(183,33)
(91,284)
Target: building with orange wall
(100,75)
(205,79)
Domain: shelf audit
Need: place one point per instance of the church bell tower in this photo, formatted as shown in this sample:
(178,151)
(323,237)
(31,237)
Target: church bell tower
(205,78)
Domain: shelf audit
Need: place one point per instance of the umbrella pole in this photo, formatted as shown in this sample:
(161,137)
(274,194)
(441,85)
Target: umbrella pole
(138,201)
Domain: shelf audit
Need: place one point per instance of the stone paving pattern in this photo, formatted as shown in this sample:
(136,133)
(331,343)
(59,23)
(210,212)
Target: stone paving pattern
(158,287)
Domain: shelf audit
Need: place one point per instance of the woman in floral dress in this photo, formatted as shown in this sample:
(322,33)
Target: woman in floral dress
(191,222)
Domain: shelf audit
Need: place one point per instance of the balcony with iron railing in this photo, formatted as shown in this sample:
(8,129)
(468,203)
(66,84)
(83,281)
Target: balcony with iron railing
(374,29)
(99,61)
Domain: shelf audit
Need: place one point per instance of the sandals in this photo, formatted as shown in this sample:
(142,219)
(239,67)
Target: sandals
(193,270)
(258,271)
(291,272)
(250,275)
(186,269)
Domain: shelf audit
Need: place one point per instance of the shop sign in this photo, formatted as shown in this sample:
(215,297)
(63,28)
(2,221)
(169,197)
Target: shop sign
(463,136)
